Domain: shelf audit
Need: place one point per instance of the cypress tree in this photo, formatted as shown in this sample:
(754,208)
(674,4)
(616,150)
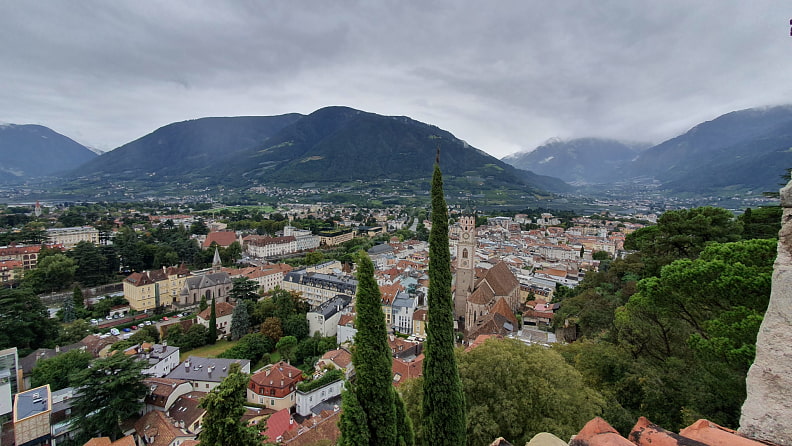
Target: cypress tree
(212,333)
(372,389)
(443,400)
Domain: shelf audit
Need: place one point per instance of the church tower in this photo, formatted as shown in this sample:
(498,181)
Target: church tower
(465,265)
(217,264)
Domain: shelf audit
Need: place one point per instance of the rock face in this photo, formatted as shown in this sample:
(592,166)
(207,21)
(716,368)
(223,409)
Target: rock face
(767,412)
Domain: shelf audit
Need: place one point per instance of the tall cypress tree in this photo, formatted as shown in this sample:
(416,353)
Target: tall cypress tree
(212,333)
(371,396)
(443,400)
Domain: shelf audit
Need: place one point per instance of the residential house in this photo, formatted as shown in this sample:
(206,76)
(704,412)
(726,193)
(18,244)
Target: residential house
(268,277)
(278,424)
(10,271)
(61,427)
(317,288)
(161,359)
(163,392)
(187,412)
(150,289)
(275,386)
(304,239)
(155,428)
(402,310)
(340,359)
(419,323)
(345,331)
(404,369)
(27,256)
(223,313)
(31,417)
(324,318)
(206,373)
(259,246)
(308,400)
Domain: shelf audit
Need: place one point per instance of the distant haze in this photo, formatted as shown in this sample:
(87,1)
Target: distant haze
(504,76)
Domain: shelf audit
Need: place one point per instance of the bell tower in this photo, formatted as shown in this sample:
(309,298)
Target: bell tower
(465,265)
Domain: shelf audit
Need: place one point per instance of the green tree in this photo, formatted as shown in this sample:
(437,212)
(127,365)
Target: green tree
(243,289)
(74,332)
(536,391)
(199,227)
(212,332)
(296,325)
(78,298)
(203,304)
(147,333)
(67,311)
(224,405)
(252,347)
(90,264)
(372,388)
(240,321)
(287,347)
(53,273)
(353,423)
(24,321)
(56,371)
(443,401)
(110,391)
(272,328)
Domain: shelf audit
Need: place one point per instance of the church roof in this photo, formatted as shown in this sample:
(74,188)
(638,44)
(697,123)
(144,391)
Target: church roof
(501,279)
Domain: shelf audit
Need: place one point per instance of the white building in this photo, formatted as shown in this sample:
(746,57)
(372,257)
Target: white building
(324,318)
(161,359)
(308,400)
(70,237)
(206,373)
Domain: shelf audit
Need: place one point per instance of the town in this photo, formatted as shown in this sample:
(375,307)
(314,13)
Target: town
(507,270)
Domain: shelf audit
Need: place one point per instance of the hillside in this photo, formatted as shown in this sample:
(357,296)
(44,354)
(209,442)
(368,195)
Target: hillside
(581,161)
(28,151)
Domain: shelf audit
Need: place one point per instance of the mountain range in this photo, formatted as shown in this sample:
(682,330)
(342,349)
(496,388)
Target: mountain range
(29,150)
(746,150)
(740,151)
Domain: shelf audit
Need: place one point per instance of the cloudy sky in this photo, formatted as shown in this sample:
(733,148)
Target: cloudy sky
(503,75)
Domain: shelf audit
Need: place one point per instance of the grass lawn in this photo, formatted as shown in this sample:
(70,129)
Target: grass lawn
(208,351)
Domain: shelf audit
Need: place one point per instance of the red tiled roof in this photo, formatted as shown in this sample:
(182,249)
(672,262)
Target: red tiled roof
(339,356)
(278,424)
(403,370)
(598,432)
(711,434)
(223,238)
(274,374)
(221,309)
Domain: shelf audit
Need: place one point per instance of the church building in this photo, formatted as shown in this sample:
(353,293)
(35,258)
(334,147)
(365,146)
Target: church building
(485,300)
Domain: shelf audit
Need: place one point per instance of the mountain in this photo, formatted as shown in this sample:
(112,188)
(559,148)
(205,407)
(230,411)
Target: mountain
(332,145)
(340,144)
(177,150)
(28,151)
(746,149)
(583,160)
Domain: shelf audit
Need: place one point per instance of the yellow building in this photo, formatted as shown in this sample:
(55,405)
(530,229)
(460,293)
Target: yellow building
(70,237)
(333,238)
(150,289)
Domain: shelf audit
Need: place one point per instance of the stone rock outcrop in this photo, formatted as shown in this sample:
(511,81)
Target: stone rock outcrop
(767,412)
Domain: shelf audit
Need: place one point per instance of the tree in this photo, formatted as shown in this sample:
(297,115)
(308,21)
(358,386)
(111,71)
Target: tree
(224,405)
(199,227)
(243,289)
(74,332)
(24,321)
(110,391)
(296,325)
(252,347)
(56,371)
(67,311)
(53,273)
(287,346)
(89,260)
(203,304)
(212,332)
(372,388)
(240,321)
(78,298)
(443,400)
(147,333)
(271,328)
(536,391)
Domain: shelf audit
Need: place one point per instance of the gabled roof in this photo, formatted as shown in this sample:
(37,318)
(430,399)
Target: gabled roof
(501,279)
(341,357)
(502,308)
(221,309)
(222,238)
(279,375)
(278,424)
(186,408)
(156,425)
(403,370)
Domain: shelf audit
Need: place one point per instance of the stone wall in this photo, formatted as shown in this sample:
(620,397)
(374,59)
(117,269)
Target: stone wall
(767,412)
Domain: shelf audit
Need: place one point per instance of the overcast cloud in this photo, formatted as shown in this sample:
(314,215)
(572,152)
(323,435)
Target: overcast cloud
(503,75)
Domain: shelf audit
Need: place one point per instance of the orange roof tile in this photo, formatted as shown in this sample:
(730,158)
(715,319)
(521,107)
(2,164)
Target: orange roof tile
(598,432)
(711,434)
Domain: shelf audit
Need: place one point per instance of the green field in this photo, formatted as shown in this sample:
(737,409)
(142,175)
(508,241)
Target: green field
(208,351)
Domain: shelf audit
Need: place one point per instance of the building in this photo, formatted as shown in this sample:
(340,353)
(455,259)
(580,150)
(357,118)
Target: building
(161,359)
(268,277)
(317,288)
(258,246)
(304,239)
(221,238)
(61,427)
(324,318)
(223,313)
(213,284)
(402,310)
(186,411)
(340,359)
(275,386)
(158,429)
(308,400)
(9,364)
(346,329)
(70,237)
(32,410)
(27,256)
(163,392)
(206,373)
(334,238)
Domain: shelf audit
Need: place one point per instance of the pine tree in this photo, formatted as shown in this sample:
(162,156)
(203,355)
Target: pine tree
(68,314)
(353,423)
(372,390)
(77,298)
(212,333)
(240,321)
(443,400)
(222,424)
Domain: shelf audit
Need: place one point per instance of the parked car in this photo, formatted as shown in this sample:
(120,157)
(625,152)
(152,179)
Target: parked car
(94,322)
(134,327)
(114,332)
(127,330)
(165,318)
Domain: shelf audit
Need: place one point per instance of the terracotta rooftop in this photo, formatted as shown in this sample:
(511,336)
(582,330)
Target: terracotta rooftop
(221,309)
(223,238)
(340,357)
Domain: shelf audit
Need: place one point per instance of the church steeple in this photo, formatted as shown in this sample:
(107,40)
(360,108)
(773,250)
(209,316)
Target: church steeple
(216,262)
(465,264)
